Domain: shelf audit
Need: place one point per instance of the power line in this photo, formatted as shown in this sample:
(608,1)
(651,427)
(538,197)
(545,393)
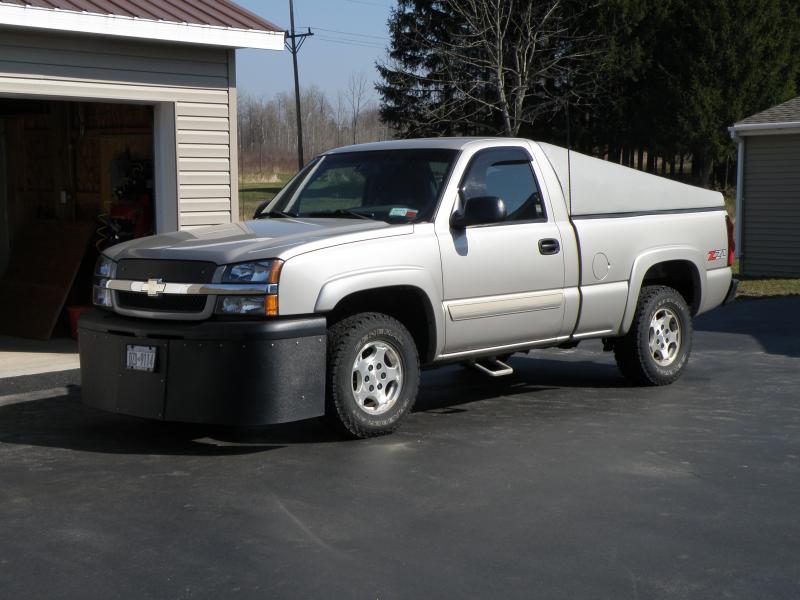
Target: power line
(352,33)
(352,45)
(369,3)
(347,42)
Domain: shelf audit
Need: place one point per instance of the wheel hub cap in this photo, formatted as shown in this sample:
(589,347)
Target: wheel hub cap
(377,377)
(664,337)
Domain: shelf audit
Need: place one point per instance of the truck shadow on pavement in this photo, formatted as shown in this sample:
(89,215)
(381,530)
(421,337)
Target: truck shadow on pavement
(452,388)
(64,422)
(772,322)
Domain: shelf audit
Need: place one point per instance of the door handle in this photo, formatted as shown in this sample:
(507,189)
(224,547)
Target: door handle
(549,246)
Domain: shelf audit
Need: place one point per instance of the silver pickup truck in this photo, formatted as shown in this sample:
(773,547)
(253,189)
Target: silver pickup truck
(378,260)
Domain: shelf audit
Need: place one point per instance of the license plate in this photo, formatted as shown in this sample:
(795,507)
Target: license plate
(141,358)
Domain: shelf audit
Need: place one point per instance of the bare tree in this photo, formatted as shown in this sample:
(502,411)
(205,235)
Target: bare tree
(524,50)
(492,65)
(339,115)
(356,96)
(268,130)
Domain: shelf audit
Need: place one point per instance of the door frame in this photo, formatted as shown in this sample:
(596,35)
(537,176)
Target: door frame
(506,304)
(165,151)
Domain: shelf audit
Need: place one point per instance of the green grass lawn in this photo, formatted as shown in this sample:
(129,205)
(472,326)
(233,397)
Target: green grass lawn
(765,288)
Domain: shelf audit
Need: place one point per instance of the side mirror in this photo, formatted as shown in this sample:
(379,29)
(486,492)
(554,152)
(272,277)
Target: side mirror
(482,210)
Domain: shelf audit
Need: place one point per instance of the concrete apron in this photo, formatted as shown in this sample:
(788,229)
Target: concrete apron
(31,357)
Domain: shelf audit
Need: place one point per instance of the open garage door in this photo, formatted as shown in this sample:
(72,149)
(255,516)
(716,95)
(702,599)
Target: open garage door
(76,177)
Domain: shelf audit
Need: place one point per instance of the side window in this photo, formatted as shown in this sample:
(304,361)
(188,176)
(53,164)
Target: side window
(507,174)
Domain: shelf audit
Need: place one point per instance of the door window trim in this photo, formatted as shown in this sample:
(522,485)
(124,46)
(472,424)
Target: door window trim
(527,159)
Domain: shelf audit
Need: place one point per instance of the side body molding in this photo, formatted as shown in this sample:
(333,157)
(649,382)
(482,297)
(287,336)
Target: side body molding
(341,286)
(649,258)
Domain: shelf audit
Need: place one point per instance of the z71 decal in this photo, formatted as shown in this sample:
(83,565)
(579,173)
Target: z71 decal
(717,255)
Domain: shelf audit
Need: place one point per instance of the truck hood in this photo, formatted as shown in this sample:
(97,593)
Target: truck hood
(254,240)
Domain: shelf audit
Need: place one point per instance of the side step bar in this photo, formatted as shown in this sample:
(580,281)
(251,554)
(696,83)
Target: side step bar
(493,367)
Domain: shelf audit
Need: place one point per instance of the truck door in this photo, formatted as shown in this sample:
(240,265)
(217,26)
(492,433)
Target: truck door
(503,282)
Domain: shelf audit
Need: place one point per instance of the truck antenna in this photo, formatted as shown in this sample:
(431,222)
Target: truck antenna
(569,148)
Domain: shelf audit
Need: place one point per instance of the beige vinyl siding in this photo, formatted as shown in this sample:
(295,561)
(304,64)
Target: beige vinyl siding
(771,206)
(205,218)
(209,138)
(196,80)
(204,164)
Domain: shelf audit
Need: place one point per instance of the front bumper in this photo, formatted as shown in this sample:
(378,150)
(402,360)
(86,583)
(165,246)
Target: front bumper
(222,372)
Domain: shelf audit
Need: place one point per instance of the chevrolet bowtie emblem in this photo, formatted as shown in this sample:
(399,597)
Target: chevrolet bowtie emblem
(154,287)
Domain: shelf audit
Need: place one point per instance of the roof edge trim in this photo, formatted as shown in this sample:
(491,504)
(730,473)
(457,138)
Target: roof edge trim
(53,19)
(763,128)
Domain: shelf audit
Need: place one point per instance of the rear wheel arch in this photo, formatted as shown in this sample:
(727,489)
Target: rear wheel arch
(681,275)
(678,269)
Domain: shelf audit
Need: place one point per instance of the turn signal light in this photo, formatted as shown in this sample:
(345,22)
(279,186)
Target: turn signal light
(271,305)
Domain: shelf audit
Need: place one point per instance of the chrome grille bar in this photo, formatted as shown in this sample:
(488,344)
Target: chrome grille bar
(156,287)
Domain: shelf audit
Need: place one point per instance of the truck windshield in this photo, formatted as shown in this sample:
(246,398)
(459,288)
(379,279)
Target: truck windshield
(396,186)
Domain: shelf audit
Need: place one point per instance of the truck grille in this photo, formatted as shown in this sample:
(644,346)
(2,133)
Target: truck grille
(170,271)
(166,303)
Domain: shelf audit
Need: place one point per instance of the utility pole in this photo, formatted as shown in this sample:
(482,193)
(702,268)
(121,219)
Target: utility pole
(295,41)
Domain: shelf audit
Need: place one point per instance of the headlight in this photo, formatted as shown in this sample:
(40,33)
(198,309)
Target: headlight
(101,296)
(241,305)
(105,267)
(256,272)
(263,271)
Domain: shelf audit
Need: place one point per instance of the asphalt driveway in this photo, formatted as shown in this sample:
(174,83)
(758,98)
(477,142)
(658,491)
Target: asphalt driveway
(560,481)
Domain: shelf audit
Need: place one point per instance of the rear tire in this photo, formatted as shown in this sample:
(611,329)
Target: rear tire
(657,347)
(373,375)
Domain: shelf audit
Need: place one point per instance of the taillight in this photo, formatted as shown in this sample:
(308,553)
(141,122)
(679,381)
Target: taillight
(731,240)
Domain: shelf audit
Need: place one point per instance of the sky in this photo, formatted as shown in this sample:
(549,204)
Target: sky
(349,36)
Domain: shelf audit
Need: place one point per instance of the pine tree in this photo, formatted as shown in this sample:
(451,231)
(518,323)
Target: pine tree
(416,99)
(679,72)
(740,59)
(664,77)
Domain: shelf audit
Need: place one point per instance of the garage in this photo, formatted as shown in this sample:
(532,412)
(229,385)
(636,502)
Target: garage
(768,192)
(115,122)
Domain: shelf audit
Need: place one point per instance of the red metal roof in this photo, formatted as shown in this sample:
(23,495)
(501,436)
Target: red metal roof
(219,13)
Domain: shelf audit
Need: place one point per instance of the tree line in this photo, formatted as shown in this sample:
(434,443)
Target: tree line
(653,84)
(267,127)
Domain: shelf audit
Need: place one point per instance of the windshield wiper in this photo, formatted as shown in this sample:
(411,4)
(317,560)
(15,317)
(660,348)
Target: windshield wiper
(341,212)
(276,214)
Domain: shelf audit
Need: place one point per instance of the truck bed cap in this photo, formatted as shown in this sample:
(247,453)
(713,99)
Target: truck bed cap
(603,187)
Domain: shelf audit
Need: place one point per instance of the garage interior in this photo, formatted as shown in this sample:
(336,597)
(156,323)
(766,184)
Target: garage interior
(75,177)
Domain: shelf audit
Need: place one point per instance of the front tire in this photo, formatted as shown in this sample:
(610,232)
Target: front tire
(657,347)
(373,375)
